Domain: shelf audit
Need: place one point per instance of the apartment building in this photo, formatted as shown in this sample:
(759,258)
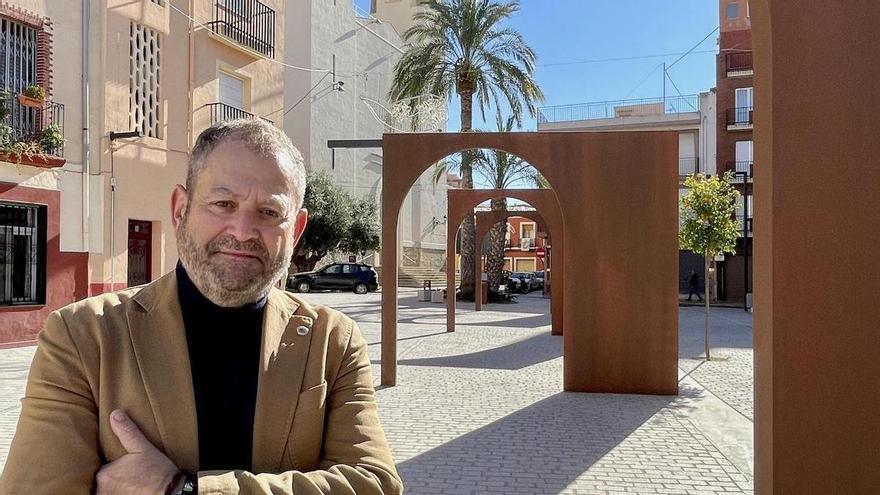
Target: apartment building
(693,117)
(94,215)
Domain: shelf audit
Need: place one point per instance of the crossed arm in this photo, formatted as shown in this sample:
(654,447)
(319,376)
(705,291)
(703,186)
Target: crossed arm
(56,446)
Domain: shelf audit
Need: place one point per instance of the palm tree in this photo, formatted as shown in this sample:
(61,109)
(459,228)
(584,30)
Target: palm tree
(501,170)
(458,47)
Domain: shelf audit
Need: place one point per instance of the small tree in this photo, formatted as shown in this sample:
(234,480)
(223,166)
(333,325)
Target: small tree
(330,219)
(708,225)
(364,234)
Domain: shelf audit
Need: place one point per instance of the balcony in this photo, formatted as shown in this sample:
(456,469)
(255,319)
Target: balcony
(742,167)
(33,133)
(688,166)
(740,118)
(246,23)
(619,108)
(739,64)
(221,112)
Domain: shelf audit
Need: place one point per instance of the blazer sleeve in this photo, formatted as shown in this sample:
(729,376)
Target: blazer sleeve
(55,448)
(356,458)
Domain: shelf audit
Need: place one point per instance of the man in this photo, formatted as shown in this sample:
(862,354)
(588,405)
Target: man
(694,286)
(208,380)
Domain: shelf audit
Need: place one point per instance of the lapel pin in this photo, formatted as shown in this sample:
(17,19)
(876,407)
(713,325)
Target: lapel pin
(302,330)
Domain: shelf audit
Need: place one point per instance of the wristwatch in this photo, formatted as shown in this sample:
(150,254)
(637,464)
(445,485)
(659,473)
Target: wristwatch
(187,485)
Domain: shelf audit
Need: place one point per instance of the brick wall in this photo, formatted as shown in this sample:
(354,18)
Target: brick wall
(726,97)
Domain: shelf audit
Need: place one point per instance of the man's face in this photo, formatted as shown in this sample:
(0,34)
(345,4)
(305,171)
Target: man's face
(237,229)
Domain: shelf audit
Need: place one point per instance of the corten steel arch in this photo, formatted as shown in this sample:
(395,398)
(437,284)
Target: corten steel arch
(461,202)
(485,221)
(817,279)
(618,196)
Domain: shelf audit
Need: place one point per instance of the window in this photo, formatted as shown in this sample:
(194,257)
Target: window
(144,80)
(525,264)
(527,230)
(732,11)
(333,270)
(349,269)
(231,90)
(22,254)
(744,101)
(18,55)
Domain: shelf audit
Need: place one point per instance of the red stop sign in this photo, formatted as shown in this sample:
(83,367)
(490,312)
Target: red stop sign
(539,252)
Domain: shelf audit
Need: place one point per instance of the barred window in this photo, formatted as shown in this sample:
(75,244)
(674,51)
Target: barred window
(18,55)
(144,80)
(22,254)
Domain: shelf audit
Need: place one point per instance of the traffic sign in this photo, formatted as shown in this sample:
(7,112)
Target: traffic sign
(539,252)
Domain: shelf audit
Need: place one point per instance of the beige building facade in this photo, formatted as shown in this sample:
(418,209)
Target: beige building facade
(157,74)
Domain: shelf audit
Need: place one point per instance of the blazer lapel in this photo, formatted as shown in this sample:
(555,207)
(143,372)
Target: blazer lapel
(285,351)
(159,342)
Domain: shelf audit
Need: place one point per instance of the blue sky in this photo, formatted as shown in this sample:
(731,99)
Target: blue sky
(565,31)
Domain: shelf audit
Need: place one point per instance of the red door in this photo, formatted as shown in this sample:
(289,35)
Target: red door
(140,252)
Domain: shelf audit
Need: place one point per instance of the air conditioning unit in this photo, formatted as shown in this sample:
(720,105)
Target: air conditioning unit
(526,243)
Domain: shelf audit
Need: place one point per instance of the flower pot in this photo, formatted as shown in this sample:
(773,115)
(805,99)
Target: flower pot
(30,102)
(43,161)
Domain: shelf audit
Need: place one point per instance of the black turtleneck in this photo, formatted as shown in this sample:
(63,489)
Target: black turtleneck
(224,354)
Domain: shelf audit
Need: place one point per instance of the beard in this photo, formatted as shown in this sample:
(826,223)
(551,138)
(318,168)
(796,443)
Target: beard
(229,281)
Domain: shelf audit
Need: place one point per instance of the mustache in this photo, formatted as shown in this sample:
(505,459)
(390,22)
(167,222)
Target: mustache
(252,246)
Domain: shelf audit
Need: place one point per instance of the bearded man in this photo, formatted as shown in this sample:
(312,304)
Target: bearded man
(210,379)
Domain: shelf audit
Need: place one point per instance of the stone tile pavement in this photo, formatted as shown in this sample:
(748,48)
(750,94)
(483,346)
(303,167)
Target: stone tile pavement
(482,410)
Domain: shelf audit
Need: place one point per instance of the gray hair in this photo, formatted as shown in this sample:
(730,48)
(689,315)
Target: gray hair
(257,135)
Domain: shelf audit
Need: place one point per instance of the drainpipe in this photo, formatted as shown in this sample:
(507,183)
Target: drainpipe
(86,168)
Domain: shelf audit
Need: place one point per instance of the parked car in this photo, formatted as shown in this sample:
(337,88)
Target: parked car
(527,281)
(539,276)
(337,276)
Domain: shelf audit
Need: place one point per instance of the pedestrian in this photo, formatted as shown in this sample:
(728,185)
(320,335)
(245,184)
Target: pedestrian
(694,286)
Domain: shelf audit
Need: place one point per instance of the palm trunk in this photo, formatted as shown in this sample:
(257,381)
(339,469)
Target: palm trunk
(468,229)
(706,295)
(495,254)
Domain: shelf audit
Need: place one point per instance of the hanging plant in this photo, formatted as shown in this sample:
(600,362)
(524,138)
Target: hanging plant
(4,104)
(33,96)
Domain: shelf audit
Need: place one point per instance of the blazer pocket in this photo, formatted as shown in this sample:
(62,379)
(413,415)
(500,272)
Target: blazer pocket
(313,398)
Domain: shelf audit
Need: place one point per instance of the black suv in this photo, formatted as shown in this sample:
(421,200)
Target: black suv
(337,276)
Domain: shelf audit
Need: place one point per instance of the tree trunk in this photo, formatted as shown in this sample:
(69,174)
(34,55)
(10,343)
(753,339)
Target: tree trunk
(495,254)
(706,294)
(468,229)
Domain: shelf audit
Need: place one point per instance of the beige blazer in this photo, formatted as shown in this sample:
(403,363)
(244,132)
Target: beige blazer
(316,428)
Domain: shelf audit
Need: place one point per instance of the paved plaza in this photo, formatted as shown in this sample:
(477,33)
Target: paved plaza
(482,410)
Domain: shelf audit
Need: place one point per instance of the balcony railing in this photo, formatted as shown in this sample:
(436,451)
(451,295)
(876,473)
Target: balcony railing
(33,124)
(739,223)
(249,23)
(738,61)
(740,167)
(688,166)
(740,116)
(619,108)
(222,111)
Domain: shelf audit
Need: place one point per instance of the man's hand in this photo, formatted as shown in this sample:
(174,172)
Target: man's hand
(144,470)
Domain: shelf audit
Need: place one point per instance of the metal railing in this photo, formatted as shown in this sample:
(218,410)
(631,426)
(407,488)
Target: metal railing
(739,223)
(688,166)
(746,167)
(740,116)
(249,23)
(221,112)
(619,108)
(738,61)
(31,123)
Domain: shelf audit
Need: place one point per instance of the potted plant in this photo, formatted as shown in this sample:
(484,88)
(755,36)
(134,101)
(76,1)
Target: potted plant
(51,139)
(33,96)
(4,104)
